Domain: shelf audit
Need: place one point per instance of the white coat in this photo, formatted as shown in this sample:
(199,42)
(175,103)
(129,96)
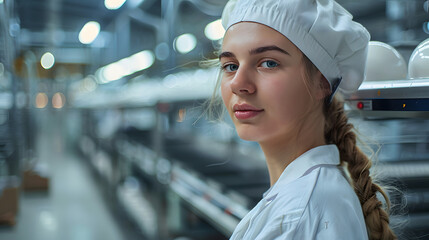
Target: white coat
(312,199)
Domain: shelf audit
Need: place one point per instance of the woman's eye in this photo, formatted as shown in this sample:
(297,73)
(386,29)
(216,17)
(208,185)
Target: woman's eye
(231,68)
(269,64)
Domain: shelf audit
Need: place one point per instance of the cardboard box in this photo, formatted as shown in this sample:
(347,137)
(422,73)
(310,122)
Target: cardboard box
(9,197)
(33,181)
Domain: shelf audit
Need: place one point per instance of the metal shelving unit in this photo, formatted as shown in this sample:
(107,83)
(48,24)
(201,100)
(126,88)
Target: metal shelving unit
(395,99)
(11,138)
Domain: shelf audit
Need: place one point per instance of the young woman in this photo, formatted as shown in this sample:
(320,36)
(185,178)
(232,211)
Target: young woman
(282,62)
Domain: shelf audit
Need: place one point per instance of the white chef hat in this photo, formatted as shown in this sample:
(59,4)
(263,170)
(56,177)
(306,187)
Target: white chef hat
(322,29)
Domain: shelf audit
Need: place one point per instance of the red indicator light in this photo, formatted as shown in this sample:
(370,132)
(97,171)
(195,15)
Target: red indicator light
(360,105)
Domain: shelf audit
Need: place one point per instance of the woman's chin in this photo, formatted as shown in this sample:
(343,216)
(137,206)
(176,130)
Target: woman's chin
(248,135)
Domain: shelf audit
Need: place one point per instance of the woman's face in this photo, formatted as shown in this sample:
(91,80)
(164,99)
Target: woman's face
(262,84)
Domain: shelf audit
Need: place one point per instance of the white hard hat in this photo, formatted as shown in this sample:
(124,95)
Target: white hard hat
(322,29)
(418,66)
(384,62)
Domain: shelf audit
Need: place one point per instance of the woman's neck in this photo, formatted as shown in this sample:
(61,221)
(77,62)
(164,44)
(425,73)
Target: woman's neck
(280,152)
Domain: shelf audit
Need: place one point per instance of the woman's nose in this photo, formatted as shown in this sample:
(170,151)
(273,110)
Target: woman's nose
(243,83)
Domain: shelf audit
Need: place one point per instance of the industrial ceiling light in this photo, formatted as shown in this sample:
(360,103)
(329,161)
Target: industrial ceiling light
(89,32)
(47,61)
(113,72)
(141,60)
(113,4)
(185,43)
(214,30)
(127,66)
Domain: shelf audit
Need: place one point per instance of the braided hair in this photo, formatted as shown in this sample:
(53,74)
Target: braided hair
(340,132)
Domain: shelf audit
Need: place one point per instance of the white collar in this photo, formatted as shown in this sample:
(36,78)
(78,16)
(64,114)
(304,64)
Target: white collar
(324,154)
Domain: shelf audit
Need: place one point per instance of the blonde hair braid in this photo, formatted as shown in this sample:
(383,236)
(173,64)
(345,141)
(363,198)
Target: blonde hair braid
(340,132)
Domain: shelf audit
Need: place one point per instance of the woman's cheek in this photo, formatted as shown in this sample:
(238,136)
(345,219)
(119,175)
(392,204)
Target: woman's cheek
(287,96)
(225,93)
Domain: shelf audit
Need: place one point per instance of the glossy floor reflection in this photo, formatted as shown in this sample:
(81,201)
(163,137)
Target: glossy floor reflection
(73,208)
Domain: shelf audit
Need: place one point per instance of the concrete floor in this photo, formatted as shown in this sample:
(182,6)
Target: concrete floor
(73,208)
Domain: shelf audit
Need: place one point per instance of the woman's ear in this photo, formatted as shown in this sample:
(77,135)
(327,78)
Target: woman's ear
(324,89)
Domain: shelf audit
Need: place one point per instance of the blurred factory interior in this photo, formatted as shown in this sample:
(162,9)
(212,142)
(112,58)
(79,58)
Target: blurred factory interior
(104,133)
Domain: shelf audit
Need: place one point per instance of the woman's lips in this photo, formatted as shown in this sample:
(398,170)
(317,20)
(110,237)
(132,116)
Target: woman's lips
(246,114)
(246,111)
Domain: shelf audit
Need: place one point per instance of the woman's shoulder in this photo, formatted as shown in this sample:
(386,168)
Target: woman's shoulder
(332,188)
(324,185)
(333,208)
(323,191)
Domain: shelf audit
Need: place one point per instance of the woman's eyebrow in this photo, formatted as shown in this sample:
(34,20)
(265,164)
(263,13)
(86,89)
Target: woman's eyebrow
(256,51)
(268,48)
(226,54)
